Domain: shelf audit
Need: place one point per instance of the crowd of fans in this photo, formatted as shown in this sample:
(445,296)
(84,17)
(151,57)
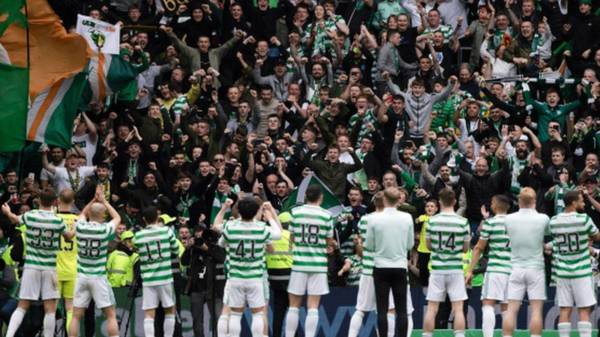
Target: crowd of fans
(241,97)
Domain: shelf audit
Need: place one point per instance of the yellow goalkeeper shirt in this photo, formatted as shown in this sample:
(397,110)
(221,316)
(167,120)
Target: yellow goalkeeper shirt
(66,259)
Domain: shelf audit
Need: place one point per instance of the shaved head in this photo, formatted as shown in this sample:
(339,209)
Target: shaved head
(97,212)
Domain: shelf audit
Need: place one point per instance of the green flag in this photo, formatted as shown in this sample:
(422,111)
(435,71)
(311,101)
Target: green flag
(13,100)
(14,89)
(296,197)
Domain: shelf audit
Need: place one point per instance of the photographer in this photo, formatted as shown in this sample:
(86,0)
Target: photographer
(206,281)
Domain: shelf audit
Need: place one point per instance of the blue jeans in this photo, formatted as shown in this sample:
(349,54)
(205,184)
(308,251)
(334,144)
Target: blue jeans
(7,307)
(474,226)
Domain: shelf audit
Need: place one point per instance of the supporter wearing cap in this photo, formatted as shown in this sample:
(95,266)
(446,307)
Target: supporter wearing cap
(71,176)
(121,262)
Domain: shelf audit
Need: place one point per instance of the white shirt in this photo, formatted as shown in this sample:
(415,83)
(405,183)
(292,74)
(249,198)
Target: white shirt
(526,229)
(390,236)
(63,179)
(85,143)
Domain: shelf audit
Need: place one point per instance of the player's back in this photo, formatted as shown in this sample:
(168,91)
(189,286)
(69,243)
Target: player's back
(526,229)
(246,242)
(570,238)
(311,227)
(155,246)
(93,238)
(42,238)
(494,232)
(447,232)
(66,258)
(368,262)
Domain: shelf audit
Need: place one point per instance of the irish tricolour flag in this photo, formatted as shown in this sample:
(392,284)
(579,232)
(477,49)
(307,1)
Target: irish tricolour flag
(41,67)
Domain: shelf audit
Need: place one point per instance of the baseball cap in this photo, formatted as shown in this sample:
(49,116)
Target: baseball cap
(126,235)
(285,217)
(167,219)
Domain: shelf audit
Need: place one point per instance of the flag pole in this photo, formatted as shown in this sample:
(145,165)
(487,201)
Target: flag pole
(22,151)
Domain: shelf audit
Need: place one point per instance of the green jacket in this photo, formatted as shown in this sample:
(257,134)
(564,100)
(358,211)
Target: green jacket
(546,114)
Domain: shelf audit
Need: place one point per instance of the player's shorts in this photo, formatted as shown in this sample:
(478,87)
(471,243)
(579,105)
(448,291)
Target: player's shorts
(266,289)
(241,292)
(93,287)
(495,287)
(365,300)
(441,285)
(162,294)
(66,288)
(308,283)
(226,293)
(526,281)
(36,284)
(576,292)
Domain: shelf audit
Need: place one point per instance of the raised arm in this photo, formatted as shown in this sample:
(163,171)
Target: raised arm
(92,131)
(45,163)
(220,217)
(271,216)
(13,218)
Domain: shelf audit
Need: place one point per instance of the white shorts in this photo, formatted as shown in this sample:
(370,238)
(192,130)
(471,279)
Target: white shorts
(530,281)
(266,289)
(162,294)
(441,285)
(36,284)
(495,287)
(365,300)
(577,292)
(93,287)
(308,283)
(241,292)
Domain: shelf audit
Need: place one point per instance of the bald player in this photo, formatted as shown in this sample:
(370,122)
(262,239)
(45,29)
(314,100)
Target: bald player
(93,234)
(526,230)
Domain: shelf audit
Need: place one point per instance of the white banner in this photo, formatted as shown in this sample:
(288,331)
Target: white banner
(101,36)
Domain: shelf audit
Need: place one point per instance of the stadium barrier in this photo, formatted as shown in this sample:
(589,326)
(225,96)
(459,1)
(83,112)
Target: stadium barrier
(336,311)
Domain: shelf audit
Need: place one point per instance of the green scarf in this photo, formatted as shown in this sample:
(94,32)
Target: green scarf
(216,207)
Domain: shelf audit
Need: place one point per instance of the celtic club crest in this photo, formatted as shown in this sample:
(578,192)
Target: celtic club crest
(98,37)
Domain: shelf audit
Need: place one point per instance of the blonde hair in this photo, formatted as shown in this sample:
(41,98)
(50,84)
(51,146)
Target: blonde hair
(527,197)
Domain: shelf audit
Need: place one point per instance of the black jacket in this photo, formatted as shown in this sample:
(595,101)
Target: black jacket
(480,189)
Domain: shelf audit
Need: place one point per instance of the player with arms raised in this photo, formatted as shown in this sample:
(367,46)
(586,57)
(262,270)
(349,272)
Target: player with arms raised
(42,239)
(246,240)
(93,233)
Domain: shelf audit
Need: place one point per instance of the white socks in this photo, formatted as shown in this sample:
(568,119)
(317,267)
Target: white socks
(312,320)
(355,323)
(459,333)
(15,322)
(427,334)
(391,319)
(223,326)
(169,325)
(584,328)
(564,329)
(257,324)
(49,324)
(410,326)
(235,324)
(291,322)
(488,321)
(149,327)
